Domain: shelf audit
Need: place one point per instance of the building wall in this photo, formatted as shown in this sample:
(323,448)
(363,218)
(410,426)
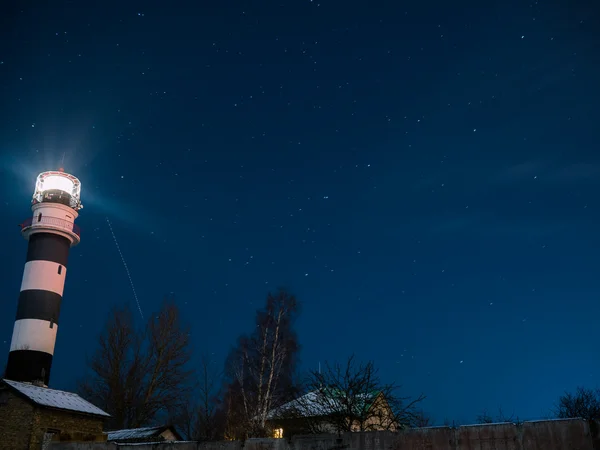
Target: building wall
(16,417)
(22,425)
(380,418)
(168,435)
(71,427)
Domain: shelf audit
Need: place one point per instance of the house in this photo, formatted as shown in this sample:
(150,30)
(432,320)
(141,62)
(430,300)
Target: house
(330,411)
(148,434)
(31,415)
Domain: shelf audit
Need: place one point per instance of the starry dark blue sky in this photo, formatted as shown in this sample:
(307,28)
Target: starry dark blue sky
(423,176)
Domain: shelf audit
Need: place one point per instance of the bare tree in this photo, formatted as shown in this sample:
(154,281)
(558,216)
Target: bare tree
(237,424)
(422,419)
(184,419)
(505,418)
(197,418)
(113,365)
(261,367)
(452,423)
(484,417)
(351,397)
(206,425)
(137,375)
(584,403)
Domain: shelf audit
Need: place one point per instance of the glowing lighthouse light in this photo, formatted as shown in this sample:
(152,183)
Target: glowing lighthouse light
(58,185)
(51,232)
(57,182)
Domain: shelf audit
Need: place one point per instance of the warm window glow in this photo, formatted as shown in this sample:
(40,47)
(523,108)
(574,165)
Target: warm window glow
(58,182)
(278,433)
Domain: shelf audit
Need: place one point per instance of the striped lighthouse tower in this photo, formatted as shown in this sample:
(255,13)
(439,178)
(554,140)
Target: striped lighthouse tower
(51,231)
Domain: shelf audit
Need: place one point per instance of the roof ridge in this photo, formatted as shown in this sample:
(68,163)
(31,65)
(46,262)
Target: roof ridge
(31,385)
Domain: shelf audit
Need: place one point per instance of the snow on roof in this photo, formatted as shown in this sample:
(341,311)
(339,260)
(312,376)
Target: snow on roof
(56,399)
(320,403)
(308,405)
(135,433)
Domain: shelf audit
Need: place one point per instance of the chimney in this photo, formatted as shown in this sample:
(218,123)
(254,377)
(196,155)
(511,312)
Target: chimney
(39,382)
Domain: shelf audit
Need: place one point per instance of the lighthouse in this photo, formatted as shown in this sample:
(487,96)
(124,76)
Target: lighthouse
(50,232)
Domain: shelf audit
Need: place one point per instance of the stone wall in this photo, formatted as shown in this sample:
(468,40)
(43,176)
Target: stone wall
(72,427)
(540,435)
(16,417)
(22,425)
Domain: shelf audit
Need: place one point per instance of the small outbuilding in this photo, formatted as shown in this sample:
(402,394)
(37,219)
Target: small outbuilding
(32,415)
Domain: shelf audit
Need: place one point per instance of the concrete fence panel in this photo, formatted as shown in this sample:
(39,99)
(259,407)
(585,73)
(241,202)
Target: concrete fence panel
(220,445)
(266,444)
(383,440)
(568,434)
(431,438)
(83,446)
(500,436)
(317,442)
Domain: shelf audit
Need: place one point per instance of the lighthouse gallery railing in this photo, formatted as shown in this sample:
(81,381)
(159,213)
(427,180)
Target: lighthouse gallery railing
(53,222)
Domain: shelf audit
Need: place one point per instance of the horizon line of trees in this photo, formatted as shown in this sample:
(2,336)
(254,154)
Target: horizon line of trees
(145,376)
(583,403)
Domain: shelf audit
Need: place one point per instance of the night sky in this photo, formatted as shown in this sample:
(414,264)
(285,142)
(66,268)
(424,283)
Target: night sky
(424,176)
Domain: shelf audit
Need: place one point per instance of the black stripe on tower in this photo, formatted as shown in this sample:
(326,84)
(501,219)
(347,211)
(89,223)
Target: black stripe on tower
(39,304)
(48,247)
(30,364)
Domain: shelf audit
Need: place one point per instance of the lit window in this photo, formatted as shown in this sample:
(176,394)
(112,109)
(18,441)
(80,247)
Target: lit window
(278,433)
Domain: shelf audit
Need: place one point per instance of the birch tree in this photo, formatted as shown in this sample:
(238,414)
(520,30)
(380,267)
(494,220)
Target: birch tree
(261,367)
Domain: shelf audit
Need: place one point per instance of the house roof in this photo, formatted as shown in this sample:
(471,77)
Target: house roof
(52,398)
(140,433)
(322,403)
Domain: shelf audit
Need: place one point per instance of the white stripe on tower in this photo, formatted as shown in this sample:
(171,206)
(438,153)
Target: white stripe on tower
(44,275)
(51,232)
(34,335)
